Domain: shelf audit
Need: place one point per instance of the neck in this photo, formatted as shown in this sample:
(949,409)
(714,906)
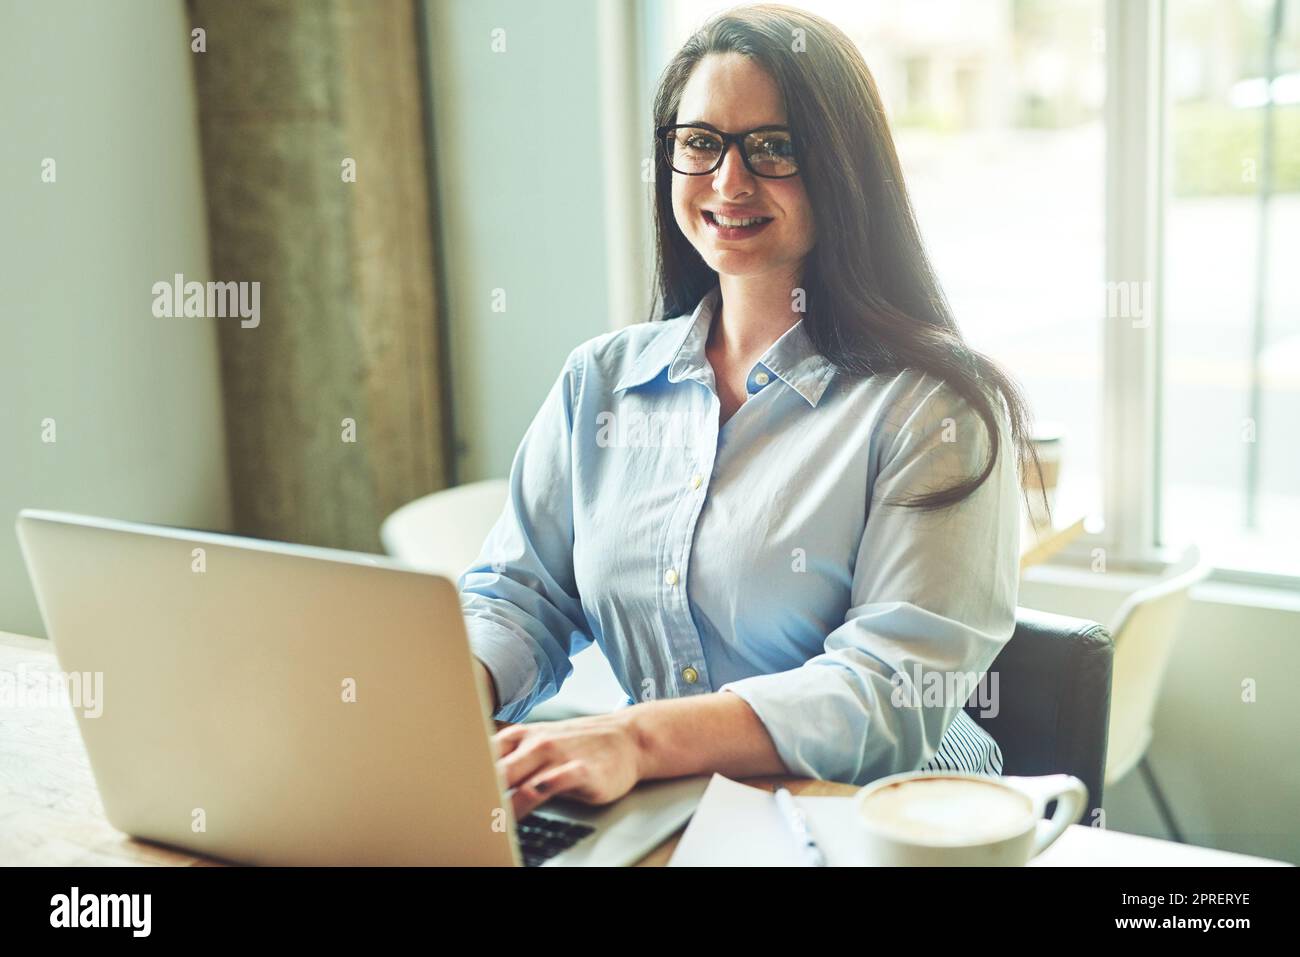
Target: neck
(754,312)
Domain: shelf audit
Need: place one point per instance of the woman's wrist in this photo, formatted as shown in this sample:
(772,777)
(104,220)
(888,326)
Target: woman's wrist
(632,720)
(657,730)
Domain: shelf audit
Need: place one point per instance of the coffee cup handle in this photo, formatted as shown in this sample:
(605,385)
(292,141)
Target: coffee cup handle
(1071,796)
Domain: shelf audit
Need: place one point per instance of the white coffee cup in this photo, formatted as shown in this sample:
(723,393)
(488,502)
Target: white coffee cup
(957,819)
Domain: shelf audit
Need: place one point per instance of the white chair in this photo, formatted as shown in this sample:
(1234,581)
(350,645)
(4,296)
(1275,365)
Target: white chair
(1144,631)
(443,532)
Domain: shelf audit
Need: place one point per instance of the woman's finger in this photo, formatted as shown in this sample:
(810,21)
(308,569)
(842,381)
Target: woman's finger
(507,739)
(534,792)
(529,757)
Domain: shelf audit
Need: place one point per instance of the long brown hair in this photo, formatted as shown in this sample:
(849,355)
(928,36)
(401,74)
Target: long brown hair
(873,302)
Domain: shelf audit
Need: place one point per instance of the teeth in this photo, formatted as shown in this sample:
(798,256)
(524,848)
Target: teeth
(724,221)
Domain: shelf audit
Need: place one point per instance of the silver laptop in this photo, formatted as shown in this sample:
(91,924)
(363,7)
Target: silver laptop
(280,704)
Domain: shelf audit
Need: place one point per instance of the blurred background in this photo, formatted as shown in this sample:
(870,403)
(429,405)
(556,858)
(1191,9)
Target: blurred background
(1110,192)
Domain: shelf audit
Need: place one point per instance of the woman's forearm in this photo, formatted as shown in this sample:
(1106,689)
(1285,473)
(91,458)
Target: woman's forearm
(699,735)
(683,736)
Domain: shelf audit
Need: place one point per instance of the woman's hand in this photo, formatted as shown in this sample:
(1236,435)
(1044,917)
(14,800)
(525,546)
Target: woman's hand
(595,760)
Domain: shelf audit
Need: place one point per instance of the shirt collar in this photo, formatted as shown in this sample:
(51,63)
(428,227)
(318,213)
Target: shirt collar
(792,358)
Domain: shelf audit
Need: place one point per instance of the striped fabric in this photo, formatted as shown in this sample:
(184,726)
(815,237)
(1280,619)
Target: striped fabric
(966,747)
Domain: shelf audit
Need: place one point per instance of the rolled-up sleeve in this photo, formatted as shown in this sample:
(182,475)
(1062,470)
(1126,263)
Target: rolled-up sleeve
(933,600)
(519,597)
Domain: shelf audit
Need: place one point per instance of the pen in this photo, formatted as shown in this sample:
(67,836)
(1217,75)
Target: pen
(798,824)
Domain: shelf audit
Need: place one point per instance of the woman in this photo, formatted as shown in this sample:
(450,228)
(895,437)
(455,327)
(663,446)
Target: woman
(789,513)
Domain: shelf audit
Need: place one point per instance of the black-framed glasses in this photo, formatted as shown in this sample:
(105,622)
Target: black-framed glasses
(694,149)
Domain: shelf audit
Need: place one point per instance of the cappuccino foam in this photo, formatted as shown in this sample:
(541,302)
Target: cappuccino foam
(947,811)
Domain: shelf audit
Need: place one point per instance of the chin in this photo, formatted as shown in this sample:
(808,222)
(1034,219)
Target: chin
(743,264)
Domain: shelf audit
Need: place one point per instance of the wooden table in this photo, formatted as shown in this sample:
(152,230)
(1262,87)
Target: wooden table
(50,813)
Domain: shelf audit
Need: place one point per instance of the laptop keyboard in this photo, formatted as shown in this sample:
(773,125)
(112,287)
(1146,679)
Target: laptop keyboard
(541,838)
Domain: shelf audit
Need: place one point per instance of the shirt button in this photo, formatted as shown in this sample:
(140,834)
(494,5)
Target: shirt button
(697,480)
(670,576)
(691,675)
(760,378)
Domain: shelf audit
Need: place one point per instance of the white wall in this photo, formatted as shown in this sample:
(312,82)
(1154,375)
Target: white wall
(106,90)
(1228,768)
(524,191)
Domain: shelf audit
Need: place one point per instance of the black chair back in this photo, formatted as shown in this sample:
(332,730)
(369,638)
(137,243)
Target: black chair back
(1053,700)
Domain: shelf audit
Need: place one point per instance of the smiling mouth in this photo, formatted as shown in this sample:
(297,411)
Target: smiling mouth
(731,229)
(721,220)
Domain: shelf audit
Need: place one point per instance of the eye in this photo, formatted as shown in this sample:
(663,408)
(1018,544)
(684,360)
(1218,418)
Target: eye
(700,141)
(778,147)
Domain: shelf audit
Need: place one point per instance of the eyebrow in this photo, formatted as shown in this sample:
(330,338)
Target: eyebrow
(763,126)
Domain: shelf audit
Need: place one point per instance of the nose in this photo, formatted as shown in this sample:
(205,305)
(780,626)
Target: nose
(733,178)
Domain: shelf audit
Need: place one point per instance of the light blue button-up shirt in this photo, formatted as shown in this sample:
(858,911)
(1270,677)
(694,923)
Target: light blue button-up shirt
(763,558)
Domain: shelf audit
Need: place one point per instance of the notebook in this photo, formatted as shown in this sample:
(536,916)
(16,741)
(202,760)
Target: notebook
(736,825)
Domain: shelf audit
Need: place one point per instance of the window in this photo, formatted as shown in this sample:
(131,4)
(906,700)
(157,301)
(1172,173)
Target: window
(1231,360)
(1003,148)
